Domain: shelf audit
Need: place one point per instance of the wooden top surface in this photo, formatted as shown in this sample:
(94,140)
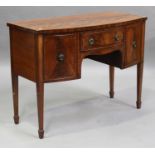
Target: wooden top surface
(75,22)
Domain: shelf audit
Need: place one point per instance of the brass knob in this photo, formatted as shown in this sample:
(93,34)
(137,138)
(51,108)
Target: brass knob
(60,57)
(134,44)
(91,41)
(116,37)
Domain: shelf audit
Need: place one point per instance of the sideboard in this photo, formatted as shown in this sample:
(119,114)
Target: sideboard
(52,50)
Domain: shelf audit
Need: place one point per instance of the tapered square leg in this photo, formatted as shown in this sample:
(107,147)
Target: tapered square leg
(15,97)
(111,81)
(40,105)
(139,84)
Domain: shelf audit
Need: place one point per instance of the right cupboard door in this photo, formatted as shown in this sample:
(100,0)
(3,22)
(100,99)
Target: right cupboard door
(133,44)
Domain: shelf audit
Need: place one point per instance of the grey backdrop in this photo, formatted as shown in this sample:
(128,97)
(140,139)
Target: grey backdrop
(18,13)
(83,116)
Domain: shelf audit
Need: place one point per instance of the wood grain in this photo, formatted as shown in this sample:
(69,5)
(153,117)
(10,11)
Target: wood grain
(55,45)
(133,35)
(76,22)
(23,53)
(101,38)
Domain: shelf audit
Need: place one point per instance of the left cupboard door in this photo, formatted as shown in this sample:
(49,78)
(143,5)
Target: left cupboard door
(60,57)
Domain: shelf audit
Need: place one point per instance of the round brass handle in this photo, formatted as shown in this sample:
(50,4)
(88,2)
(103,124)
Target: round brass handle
(134,44)
(60,57)
(91,41)
(116,37)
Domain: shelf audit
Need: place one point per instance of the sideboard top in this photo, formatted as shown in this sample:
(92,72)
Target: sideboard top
(77,22)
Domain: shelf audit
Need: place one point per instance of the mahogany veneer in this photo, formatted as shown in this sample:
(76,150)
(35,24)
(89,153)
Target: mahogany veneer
(48,50)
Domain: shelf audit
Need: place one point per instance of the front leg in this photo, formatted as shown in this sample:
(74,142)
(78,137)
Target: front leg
(139,83)
(40,84)
(40,105)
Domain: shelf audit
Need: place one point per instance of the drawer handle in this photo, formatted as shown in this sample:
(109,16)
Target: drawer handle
(116,37)
(134,44)
(91,41)
(60,57)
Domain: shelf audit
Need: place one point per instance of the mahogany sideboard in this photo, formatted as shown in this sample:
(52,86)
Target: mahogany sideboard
(52,50)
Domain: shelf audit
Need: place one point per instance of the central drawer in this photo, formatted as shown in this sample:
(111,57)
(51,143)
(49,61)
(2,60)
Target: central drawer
(91,40)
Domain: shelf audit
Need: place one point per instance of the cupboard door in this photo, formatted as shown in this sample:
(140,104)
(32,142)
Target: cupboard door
(60,57)
(133,44)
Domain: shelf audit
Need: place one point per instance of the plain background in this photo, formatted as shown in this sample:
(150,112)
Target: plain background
(79,113)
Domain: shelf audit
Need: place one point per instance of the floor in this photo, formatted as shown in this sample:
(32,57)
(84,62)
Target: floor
(80,113)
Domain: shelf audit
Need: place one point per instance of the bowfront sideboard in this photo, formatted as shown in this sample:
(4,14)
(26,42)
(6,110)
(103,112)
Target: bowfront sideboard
(52,50)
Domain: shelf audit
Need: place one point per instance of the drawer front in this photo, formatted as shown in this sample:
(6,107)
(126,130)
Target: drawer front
(98,39)
(60,57)
(133,44)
